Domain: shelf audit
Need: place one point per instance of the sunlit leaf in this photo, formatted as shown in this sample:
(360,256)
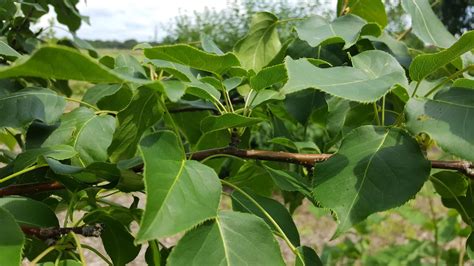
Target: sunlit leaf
(29,212)
(12,240)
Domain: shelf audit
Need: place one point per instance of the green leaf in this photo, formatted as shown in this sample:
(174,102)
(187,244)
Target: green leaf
(60,62)
(61,263)
(130,65)
(263,96)
(268,77)
(231,239)
(370,10)
(425,64)
(426,24)
(142,112)
(374,74)
(463,204)
(277,211)
(254,177)
(117,240)
(398,48)
(180,193)
(94,94)
(29,212)
(310,257)
(190,56)
(6,50)
(225,121)
(301,104)
(12,240)
(30,157)
(20,108)
(346,29)
(375,169)
(470,246)
(261,44)
(450,184)
(209,45)
(447,119)
(89,134)
(288,181)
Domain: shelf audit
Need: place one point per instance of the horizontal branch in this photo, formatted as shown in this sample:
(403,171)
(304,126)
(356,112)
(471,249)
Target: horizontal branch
(93,230)
(30,188)
(305,159)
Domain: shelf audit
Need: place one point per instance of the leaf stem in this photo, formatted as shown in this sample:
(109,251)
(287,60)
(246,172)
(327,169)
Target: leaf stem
(79,248)
(376,113)
(83,103)
(173,125)
(383,110)
(97,253)
(269,217)
(42,255)
(31,168)
(435,88)
(416,88)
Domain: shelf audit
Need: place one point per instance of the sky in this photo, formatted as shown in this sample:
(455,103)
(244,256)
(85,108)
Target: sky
(132,19)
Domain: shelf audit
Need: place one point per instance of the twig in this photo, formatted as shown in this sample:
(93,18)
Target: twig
(55,232)
(31,188)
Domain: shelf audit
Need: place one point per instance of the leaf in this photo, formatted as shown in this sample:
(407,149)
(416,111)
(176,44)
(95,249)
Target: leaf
(301,104)
(370,10)
(190,56)
(20,108)
(288,181)
(261,44)
(60,62)
(277,211)
(30,157)
(225,121)
(231,239)
(462,204)
(450,184)
(61,263)
(398,48)
(309,256)
(180,193)
(470,246)
(254,177)
(425,64)
(29,212)
(209,45)
(12,240)
(268,76)
(346,29)
(374,74)
(375,169)
(447,119)
(142,112)
(263,96)
(89,134)
(6,50)
(117,240)
(94,94)
(130,65)
(426,24)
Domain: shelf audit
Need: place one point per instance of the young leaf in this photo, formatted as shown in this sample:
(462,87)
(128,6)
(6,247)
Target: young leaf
(229,120)
(190,56)
(89,134)
(180,193)
(29,212)
(375,169)
(346,29)
(374,73)
(142,112)
(209,45)
(20,108)
(60,62)
(12,240)
(261,44)
(425,64)
(370,10)
(426,24)
(231,239)
(268,77)
(94,94)
(277,211)
(30,157)
(446,119)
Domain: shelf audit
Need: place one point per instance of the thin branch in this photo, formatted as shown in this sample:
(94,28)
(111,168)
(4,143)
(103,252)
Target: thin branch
(31,188)
(93,230)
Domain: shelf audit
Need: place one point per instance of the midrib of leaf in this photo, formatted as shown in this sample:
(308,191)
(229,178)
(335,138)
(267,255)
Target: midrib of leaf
(260,42)
(424,22)
(77,137)
(17,95)
(178,175)
(455,104)
(364,178)
(221,232)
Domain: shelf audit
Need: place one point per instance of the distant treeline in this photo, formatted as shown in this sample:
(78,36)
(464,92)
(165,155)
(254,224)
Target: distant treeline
(114,44)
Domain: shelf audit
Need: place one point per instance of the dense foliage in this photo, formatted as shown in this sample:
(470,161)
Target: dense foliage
(343,116)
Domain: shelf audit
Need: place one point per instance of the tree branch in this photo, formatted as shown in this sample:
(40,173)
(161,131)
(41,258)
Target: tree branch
(305,159)
(93,230)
